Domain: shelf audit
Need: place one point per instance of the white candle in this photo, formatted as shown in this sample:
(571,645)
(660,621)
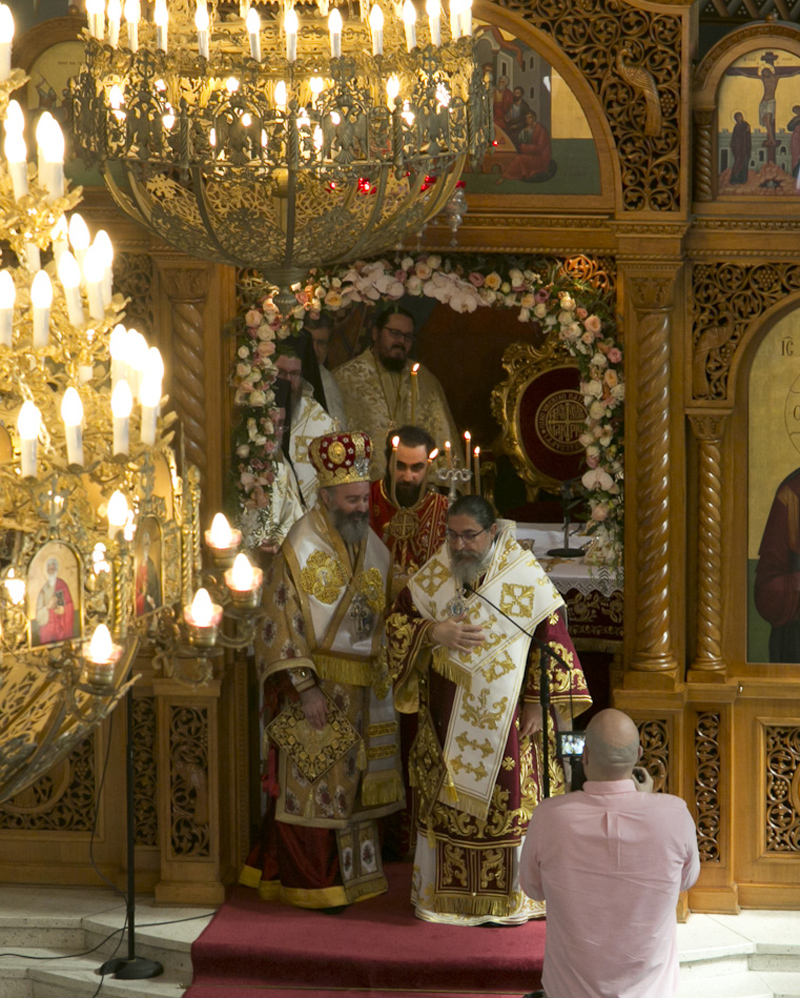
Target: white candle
(222,537)
(201,24)
(121,405)
(105,248)
(114,14)
(280,95)
(42,127)
(58,235)
(17,156)
(69,273)
(161,18)
(79,238)
(291,27)
(137,360)
(72,414)
(410,22)
(448,455)
(15,119)
(95,12)
(392,90)
(33,257)
(455,18)
(29,422)
(54,160)
(466,18)
(335,31)
(6,36)
(253,24)
(477,455)
(133,14)
(376,27)
(118,349)
(117,513)
(8,295)
(93,269)
(41,299)
(433,9)
(150,394)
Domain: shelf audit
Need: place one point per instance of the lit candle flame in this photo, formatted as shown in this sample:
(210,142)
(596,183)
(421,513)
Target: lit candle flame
(202,609)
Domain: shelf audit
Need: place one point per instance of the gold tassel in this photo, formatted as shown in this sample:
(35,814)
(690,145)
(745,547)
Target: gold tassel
(345,670)
(361,758)
(450,788)
(430,834)
(445,666)
(381,788)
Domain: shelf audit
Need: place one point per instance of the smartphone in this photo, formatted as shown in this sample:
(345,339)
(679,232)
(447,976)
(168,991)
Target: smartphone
(570,744)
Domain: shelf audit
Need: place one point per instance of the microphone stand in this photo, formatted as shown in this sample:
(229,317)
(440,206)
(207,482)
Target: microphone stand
(544,682)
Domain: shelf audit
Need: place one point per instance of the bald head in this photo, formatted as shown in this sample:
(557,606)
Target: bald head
(612,746)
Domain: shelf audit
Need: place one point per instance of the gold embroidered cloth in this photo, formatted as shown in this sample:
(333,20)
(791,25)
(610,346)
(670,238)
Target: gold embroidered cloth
(313,752)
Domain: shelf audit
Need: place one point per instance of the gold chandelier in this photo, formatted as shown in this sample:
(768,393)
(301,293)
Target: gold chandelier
(281,137)
(100,547)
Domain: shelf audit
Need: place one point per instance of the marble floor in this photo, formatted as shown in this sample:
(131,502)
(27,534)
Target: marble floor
(46,934)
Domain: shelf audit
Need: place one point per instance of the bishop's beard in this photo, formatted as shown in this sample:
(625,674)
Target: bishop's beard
(469,566)
(352,527)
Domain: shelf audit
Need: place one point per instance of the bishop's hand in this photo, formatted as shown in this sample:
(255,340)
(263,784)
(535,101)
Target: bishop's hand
(314,706)
(455,634)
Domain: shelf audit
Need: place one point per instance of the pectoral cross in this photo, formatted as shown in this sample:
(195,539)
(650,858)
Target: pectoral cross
(363,618)
(458,604)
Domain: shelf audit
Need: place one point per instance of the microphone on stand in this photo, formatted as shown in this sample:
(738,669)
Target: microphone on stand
(544,680)
(568,501)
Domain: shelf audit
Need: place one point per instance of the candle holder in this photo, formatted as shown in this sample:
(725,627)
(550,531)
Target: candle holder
(451,478)
(203,633)
(245,599)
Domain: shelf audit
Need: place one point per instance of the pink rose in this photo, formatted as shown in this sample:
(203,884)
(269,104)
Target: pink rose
(593,324)
(581,313)
(542,295)
(614,355)
(400,275)
(253,317)
(476,279)
(266,348)
(600,513)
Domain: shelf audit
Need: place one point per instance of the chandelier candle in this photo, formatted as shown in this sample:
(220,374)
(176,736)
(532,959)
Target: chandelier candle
(17,156)
(29,422)
(6,37)
(60,239)
(94,270)
(133,15)
(253,25)
(41,299)
(69,273)
(102,241)
(410,24)
(291,26)
(79,239)
(8,295)
(151,399)
(72,414)
(433,9)
(114,14)
(118,349)
(137,351)
(376,28)
(121,405)
(161,17)
(201,22)
(117,514)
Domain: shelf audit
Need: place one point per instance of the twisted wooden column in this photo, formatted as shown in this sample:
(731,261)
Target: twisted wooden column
(187,290)
(709,428)
(652,300)
(703,155)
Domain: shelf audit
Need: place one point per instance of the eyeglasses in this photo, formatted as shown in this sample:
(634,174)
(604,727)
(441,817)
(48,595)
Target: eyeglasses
(468,536)
(399,334)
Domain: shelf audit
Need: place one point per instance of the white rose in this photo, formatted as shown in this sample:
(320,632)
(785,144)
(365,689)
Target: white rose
(599,360)
(413,285)
(243,451)
(434,262)
(597,410)
(540,311)
(407,263)
(618,392)
(258,398)
(243,352)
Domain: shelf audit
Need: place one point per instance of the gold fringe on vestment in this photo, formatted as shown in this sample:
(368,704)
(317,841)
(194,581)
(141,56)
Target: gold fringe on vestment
(450,905)
(467,804)
(381,788)
(356,672)
(445,666)
(371,888)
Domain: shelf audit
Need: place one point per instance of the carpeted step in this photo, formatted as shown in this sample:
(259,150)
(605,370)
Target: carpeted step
(374,946)
(249,991)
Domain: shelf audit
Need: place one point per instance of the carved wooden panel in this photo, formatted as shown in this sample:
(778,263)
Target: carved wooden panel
(706,785)
(726,299)
(782,753)
(144,762)
(133,278)
(632,60)
(655,742)
(63,800)
(189,762)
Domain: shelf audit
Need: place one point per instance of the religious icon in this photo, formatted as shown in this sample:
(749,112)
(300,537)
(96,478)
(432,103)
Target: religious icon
(773,633)
(758,142)
(147,555)
(542,139)
(54,586)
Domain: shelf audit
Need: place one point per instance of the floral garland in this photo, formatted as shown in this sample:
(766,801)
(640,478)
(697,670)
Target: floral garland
(581,313)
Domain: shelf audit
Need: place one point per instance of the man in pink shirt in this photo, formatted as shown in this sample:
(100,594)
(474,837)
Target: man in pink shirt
(610,863)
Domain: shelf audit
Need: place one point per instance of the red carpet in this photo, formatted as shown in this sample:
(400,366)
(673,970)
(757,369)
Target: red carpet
(372,947)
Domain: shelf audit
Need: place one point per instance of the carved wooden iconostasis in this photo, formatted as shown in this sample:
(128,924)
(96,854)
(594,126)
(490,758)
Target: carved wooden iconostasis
(635,166)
